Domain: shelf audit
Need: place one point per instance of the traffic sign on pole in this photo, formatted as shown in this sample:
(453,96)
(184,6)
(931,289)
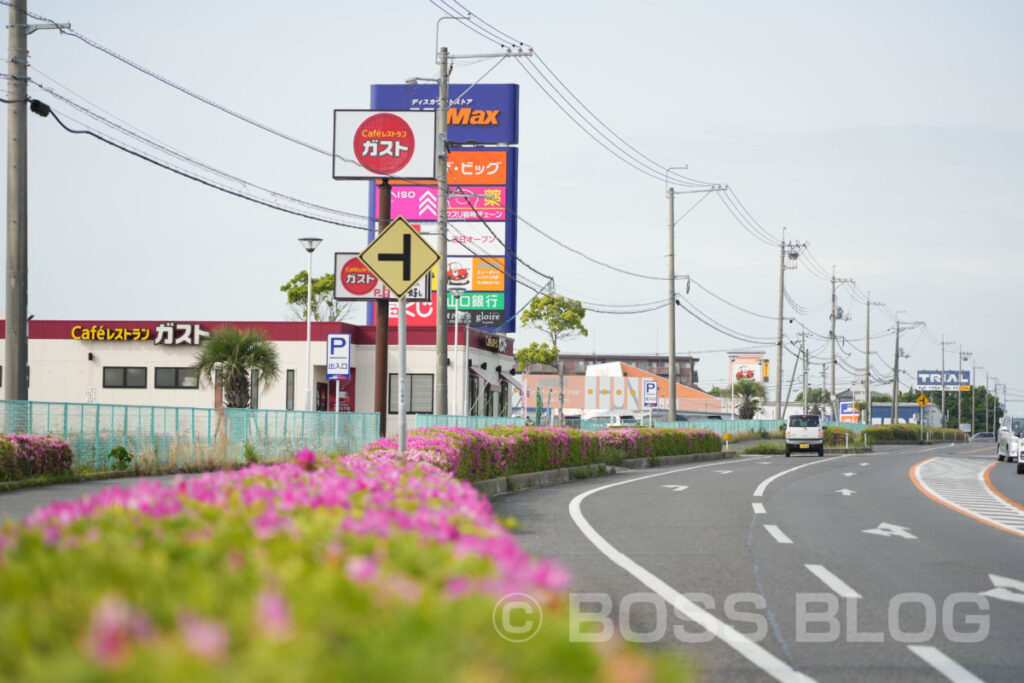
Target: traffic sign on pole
(922,400)
(399,256)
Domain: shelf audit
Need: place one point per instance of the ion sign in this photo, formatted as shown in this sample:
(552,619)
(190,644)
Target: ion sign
(339,355)
(384,144)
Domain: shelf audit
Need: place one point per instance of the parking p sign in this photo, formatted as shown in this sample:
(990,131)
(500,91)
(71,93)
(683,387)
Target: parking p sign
(339,355)
(650,393)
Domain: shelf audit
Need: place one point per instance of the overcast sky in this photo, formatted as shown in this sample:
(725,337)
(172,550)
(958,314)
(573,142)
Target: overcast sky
(887,135)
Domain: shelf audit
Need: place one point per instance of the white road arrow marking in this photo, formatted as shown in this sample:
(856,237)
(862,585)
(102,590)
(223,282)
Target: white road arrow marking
(674,487)
(724,471)
(849,474)
(1010,590)
(846,492)
(887,529)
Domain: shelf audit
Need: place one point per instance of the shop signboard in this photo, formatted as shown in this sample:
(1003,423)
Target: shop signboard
(384,144)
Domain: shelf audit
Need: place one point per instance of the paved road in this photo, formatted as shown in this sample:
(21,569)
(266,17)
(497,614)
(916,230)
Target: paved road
(902,565)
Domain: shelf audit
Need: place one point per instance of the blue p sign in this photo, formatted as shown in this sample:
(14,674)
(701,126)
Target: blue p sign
(338,355)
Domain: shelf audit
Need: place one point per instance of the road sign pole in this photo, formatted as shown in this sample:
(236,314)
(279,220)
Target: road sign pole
(381,323)
(401,376)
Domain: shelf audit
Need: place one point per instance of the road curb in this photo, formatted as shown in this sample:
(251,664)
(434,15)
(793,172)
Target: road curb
(530,480)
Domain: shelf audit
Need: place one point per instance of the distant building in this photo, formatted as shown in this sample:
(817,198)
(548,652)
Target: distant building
(577,364)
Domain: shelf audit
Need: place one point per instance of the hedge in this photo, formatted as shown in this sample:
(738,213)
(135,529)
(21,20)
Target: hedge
(910,433)
(23,456)
(475,454)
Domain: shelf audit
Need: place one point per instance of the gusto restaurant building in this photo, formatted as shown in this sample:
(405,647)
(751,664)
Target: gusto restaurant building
(149,363)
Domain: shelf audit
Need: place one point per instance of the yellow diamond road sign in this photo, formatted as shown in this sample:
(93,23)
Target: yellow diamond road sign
(399,256)
(922,400)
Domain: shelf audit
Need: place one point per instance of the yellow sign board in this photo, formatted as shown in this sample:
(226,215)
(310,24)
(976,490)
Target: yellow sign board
(965,387)
(922,400)
(399,256)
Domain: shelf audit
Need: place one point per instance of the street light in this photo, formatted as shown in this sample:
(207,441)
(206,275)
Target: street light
(309,244)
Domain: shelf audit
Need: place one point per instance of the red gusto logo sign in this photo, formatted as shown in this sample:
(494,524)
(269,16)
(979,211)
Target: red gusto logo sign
(384,143)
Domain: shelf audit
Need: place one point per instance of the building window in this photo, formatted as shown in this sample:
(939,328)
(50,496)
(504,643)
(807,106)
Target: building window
(419,394)
(474,395)
(124,378)
(172,378)
(503,407)
(289,390)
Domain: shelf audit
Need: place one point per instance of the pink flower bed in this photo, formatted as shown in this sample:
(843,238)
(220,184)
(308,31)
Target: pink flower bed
(28,455)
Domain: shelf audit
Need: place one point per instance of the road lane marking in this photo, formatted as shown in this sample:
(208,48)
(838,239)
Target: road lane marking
(754,653)
(845,492)
(723,471)
(675,487)
(777,534)
(759,491)
(993,489)
(849,474)
(963,485)
(1010,590)
(759,509)
(838,586)
(864,464)
(943,664)
(887,529)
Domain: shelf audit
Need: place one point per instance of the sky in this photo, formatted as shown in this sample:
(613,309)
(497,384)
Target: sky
(886,136)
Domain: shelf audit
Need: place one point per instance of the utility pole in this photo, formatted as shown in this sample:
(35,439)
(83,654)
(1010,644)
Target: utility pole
(944,344)
(16,337)
(986,400)
(803,352)
(867,357)
(672,302)
(441,339)
(794,253)
(16,313)
(823,390)
(960,386)
(896,376)
(832,335)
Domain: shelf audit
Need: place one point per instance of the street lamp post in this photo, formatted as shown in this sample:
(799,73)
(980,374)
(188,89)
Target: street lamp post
(309,244)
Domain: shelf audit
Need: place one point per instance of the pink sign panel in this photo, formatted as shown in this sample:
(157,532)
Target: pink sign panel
(476,203)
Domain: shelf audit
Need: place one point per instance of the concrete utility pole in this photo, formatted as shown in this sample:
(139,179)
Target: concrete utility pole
(896,376)
(823,390)
(671,302)
(16,313)
(832,335)
(803,352)
(441,339)
(794,253)
(960,387)
(16,341)
(944,344)
(867,357)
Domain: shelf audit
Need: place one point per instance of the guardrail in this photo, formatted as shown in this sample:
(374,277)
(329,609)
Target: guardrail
(92,429)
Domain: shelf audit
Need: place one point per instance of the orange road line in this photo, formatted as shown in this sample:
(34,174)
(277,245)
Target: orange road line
(993,489)
(922,489)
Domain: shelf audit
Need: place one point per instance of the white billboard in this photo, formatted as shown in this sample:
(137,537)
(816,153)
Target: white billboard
(372,143)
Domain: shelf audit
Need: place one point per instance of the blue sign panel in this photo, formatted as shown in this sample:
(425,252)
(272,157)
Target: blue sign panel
(931,380)
(486,113)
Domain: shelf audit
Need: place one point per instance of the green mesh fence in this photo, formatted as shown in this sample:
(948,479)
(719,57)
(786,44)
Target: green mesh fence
(467,421)
(160,432)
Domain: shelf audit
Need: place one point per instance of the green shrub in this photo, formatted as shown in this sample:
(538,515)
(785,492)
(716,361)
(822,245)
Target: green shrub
(765,449)
(251,455)
(121,457)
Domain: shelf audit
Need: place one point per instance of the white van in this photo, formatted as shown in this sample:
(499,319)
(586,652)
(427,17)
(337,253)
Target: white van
(1010,440)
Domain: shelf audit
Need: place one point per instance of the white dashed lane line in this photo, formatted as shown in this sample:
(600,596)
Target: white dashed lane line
(777,534)
(835,584)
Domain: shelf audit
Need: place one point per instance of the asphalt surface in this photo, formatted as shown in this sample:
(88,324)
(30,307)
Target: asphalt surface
(852,572)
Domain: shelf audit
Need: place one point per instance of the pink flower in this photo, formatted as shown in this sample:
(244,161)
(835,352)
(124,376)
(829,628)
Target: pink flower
(114,627)
(306,459)
(361,569)
(274,616)
(203,637)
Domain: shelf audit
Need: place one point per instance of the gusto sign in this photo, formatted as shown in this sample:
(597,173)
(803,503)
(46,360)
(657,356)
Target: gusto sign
(384,143)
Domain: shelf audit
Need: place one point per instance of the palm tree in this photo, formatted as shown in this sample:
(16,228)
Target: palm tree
(748,391)
(234,354)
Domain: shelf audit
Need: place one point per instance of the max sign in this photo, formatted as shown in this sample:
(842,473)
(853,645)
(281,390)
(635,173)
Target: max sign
(339,356)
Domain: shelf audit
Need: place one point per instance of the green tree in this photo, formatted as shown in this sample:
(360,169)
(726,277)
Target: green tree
(234,354)
(748,392)
(817,399)
(323,306)
(561,319)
